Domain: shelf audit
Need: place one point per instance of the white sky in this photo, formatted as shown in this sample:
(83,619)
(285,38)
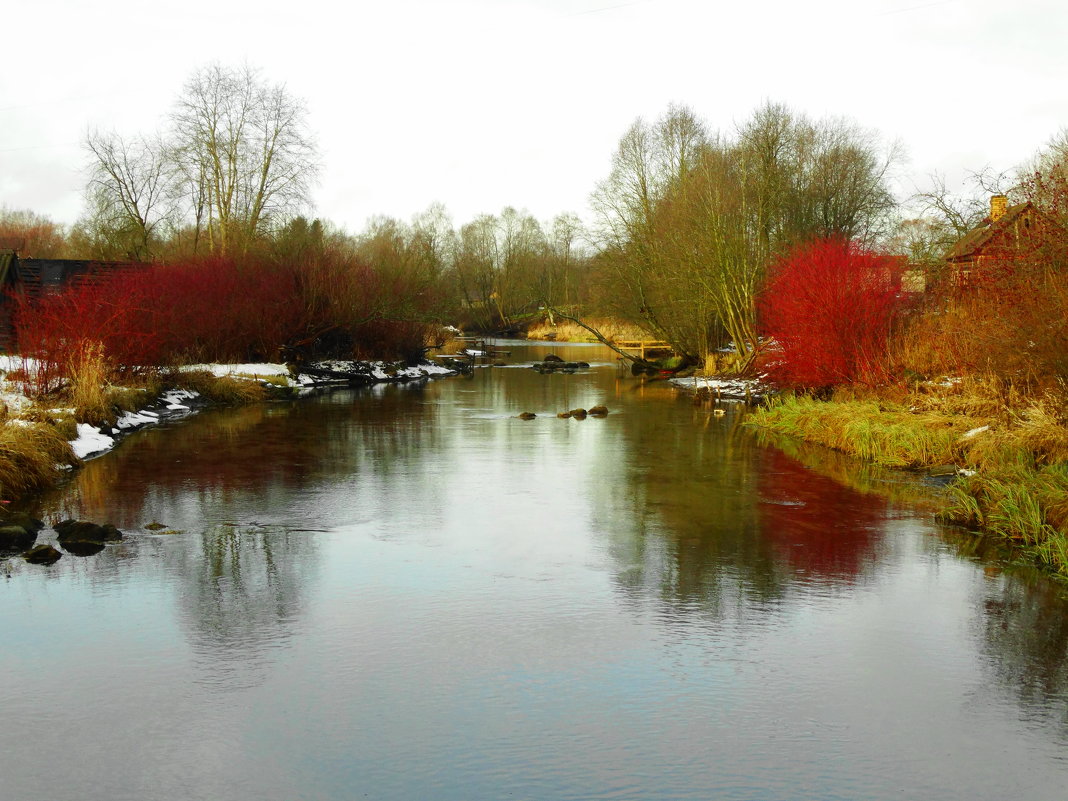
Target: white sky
(481,104)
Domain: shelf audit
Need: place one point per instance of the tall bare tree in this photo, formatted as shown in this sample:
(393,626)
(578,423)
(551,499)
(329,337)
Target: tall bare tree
(131,193)
(244,146)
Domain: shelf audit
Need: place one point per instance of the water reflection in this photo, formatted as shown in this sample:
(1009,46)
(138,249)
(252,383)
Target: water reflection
(241,592)
(822,529)
(409,591)
(1023,632)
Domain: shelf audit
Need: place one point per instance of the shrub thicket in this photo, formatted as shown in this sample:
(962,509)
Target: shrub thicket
(219,310)
(831,306)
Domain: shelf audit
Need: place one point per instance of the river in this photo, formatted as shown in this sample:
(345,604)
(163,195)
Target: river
(405,592)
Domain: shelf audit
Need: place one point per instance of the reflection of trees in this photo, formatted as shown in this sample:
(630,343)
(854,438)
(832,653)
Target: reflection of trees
(679,508)
(240,589)
(244,486)
(1023,627)
(262,460)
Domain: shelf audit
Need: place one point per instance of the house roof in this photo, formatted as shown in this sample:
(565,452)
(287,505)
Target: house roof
(980,236)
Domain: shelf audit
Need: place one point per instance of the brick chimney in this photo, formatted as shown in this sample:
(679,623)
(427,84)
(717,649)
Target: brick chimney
(999,204)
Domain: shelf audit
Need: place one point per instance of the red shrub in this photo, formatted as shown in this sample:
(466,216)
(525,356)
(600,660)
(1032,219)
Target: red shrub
(219,310)
(831,305)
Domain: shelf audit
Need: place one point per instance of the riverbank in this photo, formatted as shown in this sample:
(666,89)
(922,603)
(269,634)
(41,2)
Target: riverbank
(1007,457)
(41,441)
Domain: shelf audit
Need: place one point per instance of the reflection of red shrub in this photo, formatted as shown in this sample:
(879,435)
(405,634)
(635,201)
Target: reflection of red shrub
(831,305)
(816,524)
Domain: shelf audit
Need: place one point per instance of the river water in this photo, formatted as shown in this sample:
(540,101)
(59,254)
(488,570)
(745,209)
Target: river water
(404,592)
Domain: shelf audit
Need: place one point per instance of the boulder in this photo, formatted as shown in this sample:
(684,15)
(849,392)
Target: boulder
(578,414)
(564,415)
(599,411)
(84,531)
(527,416)
(82,547)
(42,554)
(15,538)
(552,357)
(583,365)
(23,520)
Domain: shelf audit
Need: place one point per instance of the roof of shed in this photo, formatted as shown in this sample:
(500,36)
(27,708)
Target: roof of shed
(982,234)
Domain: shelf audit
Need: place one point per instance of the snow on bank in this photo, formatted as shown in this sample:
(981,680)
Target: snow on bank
(93,441)
(725,388)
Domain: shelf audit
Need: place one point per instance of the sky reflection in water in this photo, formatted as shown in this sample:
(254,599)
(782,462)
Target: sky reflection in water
(409,593)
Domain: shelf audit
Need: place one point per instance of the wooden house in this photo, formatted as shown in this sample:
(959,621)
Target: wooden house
(1006,234)
(31,279)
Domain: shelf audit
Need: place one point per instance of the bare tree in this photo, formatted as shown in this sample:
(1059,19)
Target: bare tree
(244,147)
(131,193)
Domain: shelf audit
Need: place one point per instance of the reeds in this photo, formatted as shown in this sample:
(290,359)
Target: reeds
(869,430)
(564,331)
(31,457)
(88,371)
(223,390)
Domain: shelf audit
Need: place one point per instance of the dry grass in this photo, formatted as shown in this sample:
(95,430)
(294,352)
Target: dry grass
(224,390)
(88,370)
(30,456)
(565,331)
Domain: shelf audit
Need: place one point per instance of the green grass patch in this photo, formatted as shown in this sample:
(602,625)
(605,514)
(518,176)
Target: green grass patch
(887,434)
(1020,492)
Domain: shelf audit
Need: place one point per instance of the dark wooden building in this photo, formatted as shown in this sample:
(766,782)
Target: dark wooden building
(31,279)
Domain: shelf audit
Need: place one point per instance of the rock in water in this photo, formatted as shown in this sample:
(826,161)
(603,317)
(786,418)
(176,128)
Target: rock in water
(599,411)
(71,531)
(42,555)
(15,538)
(527,416)
(552,357)
(83,547)
(23,520)
(578,414)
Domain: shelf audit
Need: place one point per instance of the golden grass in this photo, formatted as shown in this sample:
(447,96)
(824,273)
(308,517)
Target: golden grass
(223,390)
(88,370)
(883,433)
(565,331)
(30,456)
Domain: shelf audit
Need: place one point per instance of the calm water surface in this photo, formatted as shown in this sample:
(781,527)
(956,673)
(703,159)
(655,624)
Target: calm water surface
(407,593)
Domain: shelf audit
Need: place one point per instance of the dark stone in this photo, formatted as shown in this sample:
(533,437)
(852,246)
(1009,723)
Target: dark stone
(564,415)
(42,554)
(155,526)
(578,414)
(583,364)
(82,547)
(552,357)
(31,524)
(599,411)
(84,531)
(527,416)
(15,538)
(111,533)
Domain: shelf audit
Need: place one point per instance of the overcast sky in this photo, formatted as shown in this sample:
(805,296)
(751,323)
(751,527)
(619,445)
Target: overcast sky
(480,104)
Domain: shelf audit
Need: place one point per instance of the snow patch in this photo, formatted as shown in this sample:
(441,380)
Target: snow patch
(91,440)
